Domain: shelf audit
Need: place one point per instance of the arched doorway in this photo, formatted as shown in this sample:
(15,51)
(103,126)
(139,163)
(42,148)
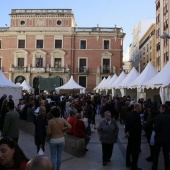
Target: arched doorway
(19,79)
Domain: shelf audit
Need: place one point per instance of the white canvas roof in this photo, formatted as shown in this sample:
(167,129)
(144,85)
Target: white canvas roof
(26,86)
(161,79)
(104,85)
(100,84)
(9,88)
(4,82)
(129,78)
(112,80)
(71,84)
(118,80)
(148,73)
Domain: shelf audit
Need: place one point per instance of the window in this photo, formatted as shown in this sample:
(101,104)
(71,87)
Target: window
(39,61)
(158,47)
(58,43)
(158,61)
(21,43)
(83,44)
(20,62)
(166,57)
(82,81)
(39,44)
(106,44)
(106,65)
(57,62)
(82,65)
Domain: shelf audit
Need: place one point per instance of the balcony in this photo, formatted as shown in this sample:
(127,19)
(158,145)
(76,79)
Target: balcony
(83,70)
(58,69)
(19,69)
(105,70)
(38,70)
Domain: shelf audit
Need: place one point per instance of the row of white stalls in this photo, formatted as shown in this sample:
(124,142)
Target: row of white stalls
(149,84)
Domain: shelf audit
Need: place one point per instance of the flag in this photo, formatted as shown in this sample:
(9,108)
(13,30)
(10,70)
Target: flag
(40,60)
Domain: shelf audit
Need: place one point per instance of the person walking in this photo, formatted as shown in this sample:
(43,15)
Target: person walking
(133,130)
(56,128)
(108,133)
(40,129)
(162,137)
(11,123)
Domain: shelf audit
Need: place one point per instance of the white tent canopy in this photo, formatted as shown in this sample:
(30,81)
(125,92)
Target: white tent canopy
(124,84)
(100,84)
(161,79)
(118,80)
(104,84)
(112,80)
(148,73)
(26,86)
(129,78)
(9,88)
(71,84)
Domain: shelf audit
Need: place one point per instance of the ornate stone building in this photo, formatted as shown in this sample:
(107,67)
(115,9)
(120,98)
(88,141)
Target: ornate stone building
(47,43)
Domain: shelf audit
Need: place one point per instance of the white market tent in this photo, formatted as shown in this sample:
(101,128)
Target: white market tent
(129,78)
(117,82)
(71,85)
(112,80)
(100,84)
(9,88)
(148,73)
(26,86)
(104,84)
(162,81)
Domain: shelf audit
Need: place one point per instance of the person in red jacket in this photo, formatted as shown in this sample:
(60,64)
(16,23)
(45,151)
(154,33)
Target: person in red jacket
(80,130)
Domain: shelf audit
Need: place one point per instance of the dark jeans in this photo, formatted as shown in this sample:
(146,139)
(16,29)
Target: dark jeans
(132,153)
(107,151)
(156,156)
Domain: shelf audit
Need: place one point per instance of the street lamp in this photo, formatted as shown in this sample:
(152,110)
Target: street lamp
(164,36)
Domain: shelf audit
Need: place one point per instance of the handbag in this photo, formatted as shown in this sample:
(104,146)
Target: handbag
(152,139)
(40,152)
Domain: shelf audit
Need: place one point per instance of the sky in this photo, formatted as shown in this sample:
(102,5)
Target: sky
(89,13)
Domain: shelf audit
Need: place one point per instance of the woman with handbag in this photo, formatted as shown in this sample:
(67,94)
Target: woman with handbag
(56,128)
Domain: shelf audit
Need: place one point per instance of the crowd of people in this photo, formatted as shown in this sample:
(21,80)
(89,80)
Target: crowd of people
(56,114)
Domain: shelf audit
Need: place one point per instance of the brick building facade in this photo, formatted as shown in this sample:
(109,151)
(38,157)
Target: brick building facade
(47,43)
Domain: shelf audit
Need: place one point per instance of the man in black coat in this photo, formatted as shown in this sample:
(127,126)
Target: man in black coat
(40,129)
(133,133)
(162,137)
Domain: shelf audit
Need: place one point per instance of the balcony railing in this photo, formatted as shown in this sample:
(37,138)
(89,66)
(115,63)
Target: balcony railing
(59,69)
(19,69)
(38,69)
(106,70)
(83,70)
